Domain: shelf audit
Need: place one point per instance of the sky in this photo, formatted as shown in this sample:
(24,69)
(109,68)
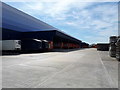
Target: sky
(91,22)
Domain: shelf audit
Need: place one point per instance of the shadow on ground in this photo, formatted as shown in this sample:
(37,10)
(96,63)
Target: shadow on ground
(34,52)
(67,50)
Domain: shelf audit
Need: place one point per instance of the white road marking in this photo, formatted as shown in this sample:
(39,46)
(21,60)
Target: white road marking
(106,73)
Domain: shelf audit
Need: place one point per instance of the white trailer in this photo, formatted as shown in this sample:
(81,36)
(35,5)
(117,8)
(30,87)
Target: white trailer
(10,45)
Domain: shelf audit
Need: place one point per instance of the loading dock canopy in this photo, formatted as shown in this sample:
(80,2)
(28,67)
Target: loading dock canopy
(19,25)
(50,35)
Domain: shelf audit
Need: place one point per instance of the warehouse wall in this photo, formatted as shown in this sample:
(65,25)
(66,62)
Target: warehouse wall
(10,34)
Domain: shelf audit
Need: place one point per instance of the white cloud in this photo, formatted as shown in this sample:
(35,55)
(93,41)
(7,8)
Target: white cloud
(97,19)
(59,7)
(98,39)
(70,23)
(35,6)
(57,0)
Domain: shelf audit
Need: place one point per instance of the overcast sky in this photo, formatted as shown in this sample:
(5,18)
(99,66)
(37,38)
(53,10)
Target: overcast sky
(91,22)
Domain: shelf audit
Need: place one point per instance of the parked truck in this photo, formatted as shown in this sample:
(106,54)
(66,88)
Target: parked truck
(10,46)
(45,45)
(31,45)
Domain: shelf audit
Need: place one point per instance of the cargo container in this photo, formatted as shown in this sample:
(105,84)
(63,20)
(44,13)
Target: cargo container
(10,45)
(103,46)
(30,45)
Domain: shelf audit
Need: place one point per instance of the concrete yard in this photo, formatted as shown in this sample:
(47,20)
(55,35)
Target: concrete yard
(84,68)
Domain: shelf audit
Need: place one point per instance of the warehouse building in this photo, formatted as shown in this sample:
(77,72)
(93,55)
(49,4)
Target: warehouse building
(17,25)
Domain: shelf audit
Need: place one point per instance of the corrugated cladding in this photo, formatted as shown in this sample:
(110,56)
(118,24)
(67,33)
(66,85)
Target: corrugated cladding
(17,20)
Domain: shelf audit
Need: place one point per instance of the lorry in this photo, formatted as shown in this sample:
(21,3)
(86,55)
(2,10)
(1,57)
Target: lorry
(45,45)
(31,45)
(8,46)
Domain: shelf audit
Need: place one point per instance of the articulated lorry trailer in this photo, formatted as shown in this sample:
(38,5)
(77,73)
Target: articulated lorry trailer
(10,46)
(31,45)
(35,45)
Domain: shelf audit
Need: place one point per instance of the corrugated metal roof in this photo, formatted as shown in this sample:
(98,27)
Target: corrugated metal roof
(13,19)
(17,20)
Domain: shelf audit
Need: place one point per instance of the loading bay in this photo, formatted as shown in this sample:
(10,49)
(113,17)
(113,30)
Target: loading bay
(83,68)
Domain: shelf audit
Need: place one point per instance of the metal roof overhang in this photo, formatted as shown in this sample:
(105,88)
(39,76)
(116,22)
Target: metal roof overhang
(49,35)
(66,36)
(43,35)
(14,19)
(15,22)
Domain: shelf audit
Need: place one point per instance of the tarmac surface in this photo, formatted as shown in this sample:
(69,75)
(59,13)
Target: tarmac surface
(84,68)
